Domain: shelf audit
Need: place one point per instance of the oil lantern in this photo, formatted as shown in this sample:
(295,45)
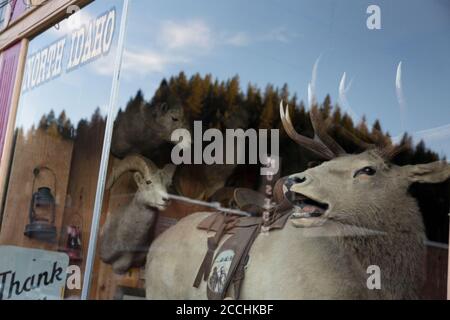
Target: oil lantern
(42,211)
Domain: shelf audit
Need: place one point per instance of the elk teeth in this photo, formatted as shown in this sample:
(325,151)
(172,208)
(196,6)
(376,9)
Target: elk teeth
(299,214)
(306,214)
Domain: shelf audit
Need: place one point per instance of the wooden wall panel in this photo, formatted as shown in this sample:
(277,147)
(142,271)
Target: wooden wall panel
(82,185)
(436,274)
(36,148)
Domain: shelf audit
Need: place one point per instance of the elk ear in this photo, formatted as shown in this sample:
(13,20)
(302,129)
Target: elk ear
(434,172)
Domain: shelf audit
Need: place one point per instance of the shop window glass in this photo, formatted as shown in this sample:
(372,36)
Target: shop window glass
(58,142)
(229,65)
(372,223)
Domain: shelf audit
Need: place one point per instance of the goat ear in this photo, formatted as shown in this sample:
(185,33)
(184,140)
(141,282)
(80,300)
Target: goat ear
(138,178)
(434,172)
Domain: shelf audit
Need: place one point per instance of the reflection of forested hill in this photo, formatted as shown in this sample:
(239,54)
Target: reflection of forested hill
(63,127)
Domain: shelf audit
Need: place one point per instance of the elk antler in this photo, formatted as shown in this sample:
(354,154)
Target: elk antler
(134,163)
(320,129)
(316,145)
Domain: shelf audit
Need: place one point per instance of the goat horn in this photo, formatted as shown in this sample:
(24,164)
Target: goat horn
(320,130)
(314,145)
(134,163)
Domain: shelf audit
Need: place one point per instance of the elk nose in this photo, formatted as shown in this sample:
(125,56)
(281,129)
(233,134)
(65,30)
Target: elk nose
(298,179)
(294,180)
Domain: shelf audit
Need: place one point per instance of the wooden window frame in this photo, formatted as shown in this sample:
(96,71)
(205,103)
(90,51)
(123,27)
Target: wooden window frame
(37,19)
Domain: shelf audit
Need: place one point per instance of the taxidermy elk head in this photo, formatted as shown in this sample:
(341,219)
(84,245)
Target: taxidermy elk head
(349,188)
(125,237)
(365,199)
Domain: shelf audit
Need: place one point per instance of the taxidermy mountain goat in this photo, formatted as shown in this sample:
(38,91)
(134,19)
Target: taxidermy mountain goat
(347,215)
(125,236)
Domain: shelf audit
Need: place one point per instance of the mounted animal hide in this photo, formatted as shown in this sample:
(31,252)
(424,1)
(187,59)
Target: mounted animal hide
(144,127)
(125,236)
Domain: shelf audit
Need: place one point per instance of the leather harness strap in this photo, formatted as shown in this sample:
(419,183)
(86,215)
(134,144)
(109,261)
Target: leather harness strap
(232,257)
(240,271)
(212,244)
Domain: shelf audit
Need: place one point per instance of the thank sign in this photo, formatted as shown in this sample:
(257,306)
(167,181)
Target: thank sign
(31,274)
(82,45)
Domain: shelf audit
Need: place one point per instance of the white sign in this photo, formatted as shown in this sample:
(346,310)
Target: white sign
(31,274)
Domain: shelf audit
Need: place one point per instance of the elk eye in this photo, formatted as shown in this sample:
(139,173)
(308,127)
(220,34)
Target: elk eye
(370,171)
(174,119)
(148,182)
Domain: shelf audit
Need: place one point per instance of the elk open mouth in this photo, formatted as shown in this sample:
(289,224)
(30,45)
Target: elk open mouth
(306,207)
